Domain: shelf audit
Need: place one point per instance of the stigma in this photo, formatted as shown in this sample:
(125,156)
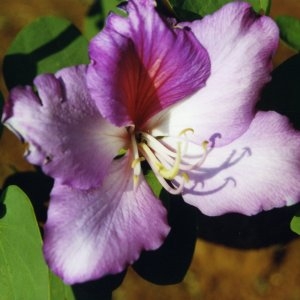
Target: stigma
(167,163)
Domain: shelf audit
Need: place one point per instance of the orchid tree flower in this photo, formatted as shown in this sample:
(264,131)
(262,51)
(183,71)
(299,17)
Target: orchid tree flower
(180,98)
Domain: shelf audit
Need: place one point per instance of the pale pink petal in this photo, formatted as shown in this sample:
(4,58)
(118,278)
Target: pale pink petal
(97,232)
(240,45)
(141,64)
(258,171)
(65,132)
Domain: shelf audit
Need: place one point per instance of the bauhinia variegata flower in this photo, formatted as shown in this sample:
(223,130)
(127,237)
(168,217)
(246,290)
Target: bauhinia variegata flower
(180,97)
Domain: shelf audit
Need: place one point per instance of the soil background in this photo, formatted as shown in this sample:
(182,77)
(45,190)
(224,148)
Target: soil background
(219,270)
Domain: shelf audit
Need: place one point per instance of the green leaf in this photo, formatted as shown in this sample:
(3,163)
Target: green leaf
(189,9)
(44,46)
(95,18)
(23,272)
(58,290)
(261,6)
(289,31)
(153,182)
(295,223)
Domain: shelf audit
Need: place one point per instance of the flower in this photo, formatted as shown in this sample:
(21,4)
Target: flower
(180,96)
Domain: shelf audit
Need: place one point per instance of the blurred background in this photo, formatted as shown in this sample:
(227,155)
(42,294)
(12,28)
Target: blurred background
(219,269)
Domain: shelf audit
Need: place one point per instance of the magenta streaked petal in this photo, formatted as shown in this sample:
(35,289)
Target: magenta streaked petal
(258,171)
(97,232)
(65,132)
(240,45)
(141,64)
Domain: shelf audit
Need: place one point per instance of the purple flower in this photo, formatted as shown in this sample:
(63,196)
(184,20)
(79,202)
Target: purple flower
(182,97)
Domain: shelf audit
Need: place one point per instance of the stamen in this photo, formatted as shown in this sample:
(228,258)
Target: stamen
(160,168)
(154,144)
(166,163)
(152,160)
(164,153)
(204,156)
(171,173)
(184,131)
(137,159)
(185,177)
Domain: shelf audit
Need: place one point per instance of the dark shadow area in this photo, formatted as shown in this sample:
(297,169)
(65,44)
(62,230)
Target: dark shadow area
(169,264)
(37,187)
(99,289)
(282,94)
(21,69)
(239,231)
(2,205)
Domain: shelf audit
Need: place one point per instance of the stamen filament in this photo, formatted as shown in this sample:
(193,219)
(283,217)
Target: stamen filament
(171,173)
(154,144)
(198,163)
(166,162)
(160,168)
(137,159)
(151,159)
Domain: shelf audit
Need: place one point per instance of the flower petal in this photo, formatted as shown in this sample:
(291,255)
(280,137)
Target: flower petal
(240,44)
(258,171)
(66,134)
(143,64)
(92,233)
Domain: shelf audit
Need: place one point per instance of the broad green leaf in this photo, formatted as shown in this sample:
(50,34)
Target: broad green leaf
(58,290)
(289,31)
(95,18)
(189,9)
(23,272)
(44,46)
(295,223)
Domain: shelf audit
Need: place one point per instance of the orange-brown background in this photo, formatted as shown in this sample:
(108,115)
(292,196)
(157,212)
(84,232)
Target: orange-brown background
(217,272)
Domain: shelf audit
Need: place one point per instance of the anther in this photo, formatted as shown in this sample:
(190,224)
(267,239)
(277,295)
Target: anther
(171,173)
(137,161)
(185,130)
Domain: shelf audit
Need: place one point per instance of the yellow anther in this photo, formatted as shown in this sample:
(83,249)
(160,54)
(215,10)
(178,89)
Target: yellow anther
(159,166)
(184,131)
(185,177)
(171,173)
(136,161)
(205,144)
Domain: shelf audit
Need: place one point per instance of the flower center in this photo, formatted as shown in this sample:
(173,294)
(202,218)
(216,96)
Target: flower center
(166,162)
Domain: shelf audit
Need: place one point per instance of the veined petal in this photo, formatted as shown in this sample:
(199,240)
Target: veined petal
(258,171)
(240,45)
(65,132)
(97,232)
(143,64)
